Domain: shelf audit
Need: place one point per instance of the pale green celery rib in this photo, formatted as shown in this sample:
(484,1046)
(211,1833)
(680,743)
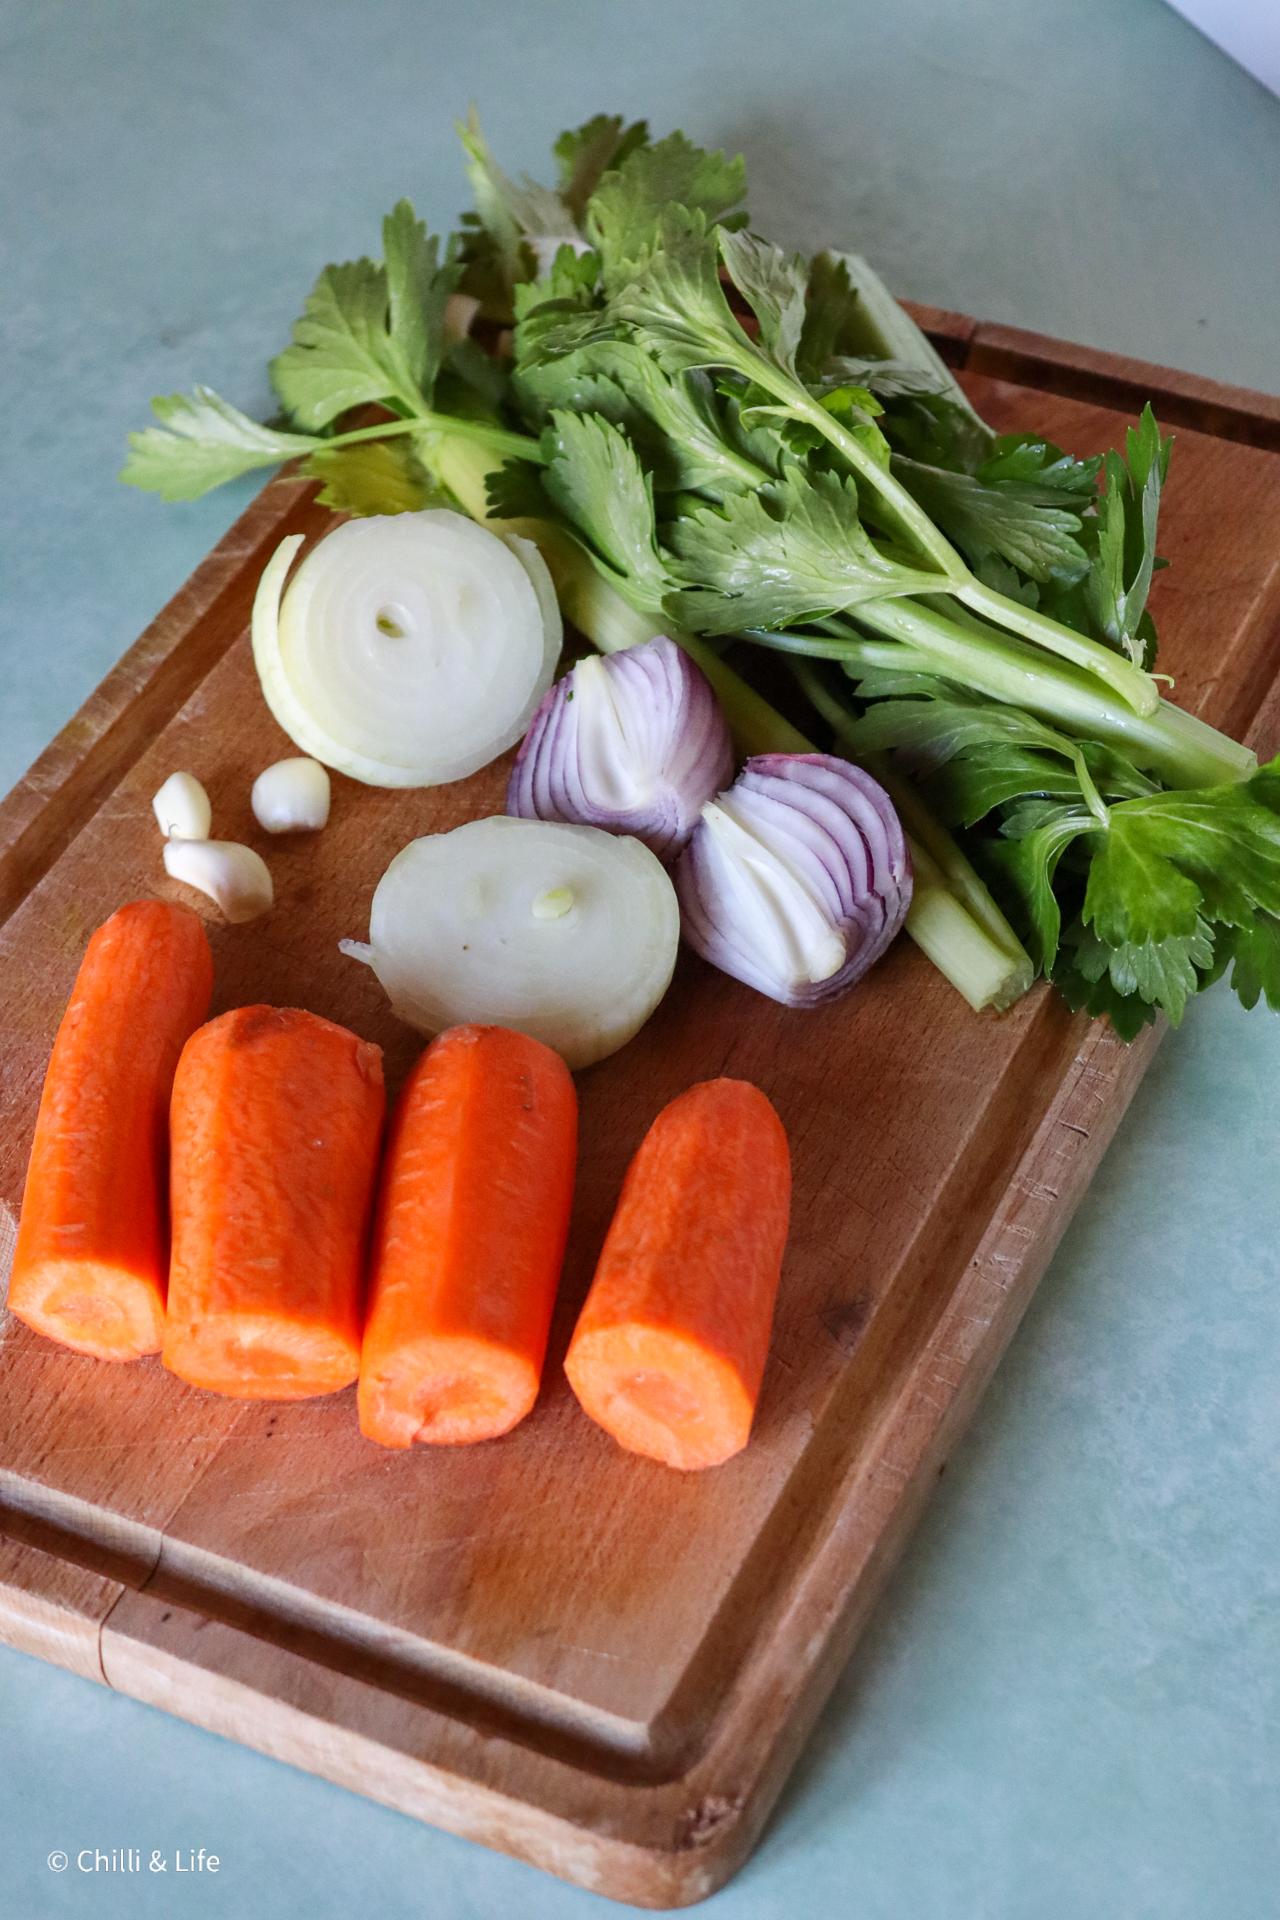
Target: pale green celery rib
(1136,688)
(952,918)
(976,965)
(934,850)
(1182,750)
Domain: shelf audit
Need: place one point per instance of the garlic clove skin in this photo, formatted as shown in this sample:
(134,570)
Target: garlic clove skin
(563,932)
(234,876)
(291,797)
(634,742)
(797,879)
(182,808)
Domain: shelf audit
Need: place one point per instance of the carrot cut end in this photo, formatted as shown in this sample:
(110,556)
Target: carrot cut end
(261,1356)
(105,1311)
(445,1392)
(661,1394)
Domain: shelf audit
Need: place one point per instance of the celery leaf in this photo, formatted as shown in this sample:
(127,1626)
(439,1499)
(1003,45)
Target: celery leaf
(627,212)
(370,331)
(587,153)
(1253,953)
(831,307)
(774,288)
(801,554)
(418,286)
(208,441)
(674,422)
(1125,558)
(594,477)
(378,476)
(1162,972)
(1021,523)
(337,360)
(1166,859)
(1028,865)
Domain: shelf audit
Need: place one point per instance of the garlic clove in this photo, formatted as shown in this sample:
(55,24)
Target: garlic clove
(182,808)
(234,876)
(291,797)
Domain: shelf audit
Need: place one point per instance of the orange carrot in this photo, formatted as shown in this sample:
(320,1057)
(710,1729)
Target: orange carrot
(669,1350)
(470,1234)
(91,1262)
(275,1126)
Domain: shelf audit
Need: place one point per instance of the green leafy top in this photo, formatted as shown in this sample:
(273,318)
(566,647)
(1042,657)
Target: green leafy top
(207,442)
(783,555)
(594,477)
(371,331)
(627,212)
(587,153)
(1125,559)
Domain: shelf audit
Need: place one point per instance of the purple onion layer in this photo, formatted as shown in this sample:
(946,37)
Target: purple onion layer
(634,742)
(803,856)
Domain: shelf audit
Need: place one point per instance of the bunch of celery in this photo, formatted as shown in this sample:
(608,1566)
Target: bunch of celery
(798,467)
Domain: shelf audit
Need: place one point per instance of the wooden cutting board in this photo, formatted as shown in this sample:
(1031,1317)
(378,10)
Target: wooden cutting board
(563,1651)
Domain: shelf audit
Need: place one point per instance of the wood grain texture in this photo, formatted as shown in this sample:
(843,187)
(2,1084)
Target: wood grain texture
(617,1699)
(53,1609)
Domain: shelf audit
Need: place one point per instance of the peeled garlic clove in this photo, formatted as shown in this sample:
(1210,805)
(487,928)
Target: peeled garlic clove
(634,742)
(182,808)
(291,797)
(565,933)
(409,648)
(797,879)
(235,876)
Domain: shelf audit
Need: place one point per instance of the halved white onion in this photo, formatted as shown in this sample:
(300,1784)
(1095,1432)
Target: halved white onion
(565,933)
(409,648)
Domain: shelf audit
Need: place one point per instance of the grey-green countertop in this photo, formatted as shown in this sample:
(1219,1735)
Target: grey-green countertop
(1065,1707)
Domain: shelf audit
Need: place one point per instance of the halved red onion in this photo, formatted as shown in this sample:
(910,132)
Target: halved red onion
(633,741)
(797,878)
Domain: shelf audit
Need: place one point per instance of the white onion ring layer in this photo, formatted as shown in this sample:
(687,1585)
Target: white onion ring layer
(796,880)
(408,649)
(474,925)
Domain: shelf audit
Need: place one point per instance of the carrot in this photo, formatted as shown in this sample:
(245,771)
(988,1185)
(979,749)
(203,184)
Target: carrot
(669,1349)
(91,1263)
(275,1126)
(470,1234)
